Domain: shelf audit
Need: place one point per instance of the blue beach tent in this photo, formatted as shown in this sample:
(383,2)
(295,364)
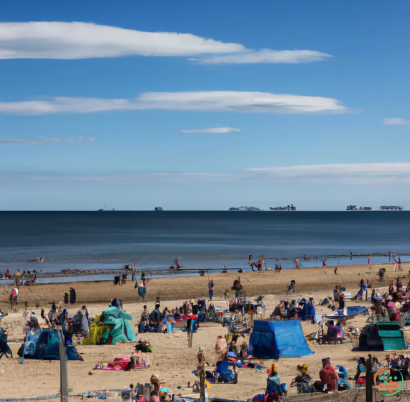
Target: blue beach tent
(275,339)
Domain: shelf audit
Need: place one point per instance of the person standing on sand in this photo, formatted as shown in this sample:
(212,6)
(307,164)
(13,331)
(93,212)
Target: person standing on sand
(369,258)
(211,289)
(399,264)
(341,301)
(134,267)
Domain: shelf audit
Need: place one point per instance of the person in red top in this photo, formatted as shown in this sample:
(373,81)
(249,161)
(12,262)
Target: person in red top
(328,376)
(177,264)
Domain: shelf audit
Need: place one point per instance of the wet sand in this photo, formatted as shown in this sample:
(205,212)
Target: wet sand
(171,358)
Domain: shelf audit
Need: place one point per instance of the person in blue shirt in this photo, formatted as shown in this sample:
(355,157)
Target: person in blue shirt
(211,289)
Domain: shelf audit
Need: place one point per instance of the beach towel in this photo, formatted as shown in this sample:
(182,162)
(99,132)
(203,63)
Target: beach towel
(121,330)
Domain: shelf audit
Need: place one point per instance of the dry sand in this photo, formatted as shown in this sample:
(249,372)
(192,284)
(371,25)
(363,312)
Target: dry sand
(171,358)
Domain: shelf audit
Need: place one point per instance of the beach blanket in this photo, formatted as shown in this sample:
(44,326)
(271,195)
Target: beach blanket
(121,362)
(351,312)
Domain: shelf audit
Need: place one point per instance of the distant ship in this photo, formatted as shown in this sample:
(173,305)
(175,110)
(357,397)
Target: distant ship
(105,209)
(248,209)
(287,208)
(158,209)
(356,208)
(382,208)
(391,208)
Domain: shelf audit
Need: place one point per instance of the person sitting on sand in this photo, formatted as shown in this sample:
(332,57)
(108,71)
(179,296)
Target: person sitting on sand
(274,388)
(360,370)
(328,376)
(303,381)
(362,293)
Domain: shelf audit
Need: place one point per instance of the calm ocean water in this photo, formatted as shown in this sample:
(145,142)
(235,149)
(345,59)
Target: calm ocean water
(197,239)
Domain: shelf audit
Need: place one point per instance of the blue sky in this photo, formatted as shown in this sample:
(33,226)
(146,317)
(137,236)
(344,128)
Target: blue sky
(259,103)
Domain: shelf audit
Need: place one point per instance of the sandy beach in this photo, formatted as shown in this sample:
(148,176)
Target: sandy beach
(171,358)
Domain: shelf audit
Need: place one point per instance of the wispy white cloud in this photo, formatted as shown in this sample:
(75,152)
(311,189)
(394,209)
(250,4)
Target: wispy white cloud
(396,121)
(341,174)
(132,177)
(266,56)
(354,173)
(80,40)
(225,101)
(361,169)
(213,130)
(42,140)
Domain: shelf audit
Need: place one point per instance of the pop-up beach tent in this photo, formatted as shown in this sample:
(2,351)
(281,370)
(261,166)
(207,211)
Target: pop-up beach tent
(274,339)
(382,336)
(44,345)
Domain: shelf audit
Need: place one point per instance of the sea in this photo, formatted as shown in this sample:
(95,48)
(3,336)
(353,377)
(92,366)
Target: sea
(199,240)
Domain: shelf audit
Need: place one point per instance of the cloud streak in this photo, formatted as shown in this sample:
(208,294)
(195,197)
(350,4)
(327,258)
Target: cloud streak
(43,140)
(266,56)
(187,177)
(81,40)
(354,173)
(214,130)
(212,101)
(341,174)
(396,121)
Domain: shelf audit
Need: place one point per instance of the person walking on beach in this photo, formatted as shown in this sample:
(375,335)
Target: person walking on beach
(134,267)
(211,289)
(369,258)
(297,262)
(399,264)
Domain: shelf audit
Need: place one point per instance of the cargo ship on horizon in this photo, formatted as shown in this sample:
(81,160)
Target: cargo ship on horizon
(287,208)
(382,208)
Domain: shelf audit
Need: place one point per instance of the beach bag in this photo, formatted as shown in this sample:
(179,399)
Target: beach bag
(320,387)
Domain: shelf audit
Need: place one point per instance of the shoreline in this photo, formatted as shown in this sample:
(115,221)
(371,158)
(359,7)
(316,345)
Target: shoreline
(191,287)
(86,272)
